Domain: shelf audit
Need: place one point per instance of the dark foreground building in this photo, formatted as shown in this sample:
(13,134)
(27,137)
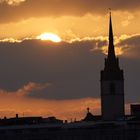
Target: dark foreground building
(113,124)
(83,130)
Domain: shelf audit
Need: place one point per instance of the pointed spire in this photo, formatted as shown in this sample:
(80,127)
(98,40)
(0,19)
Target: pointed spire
(111,50)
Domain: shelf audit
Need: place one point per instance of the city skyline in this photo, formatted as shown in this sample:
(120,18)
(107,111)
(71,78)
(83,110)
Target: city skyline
(39,77)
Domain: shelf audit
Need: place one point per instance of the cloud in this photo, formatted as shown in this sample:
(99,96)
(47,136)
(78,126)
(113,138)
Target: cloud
(125,45)
(12,2)
(26,89)
(31,87)
(63,74)
(11,40)
(15,102)
(131,45)
(55,8)
(64,65)
(72,68)
(11,103)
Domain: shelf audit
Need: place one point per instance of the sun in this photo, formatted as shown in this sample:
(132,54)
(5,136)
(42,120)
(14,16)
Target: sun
(50,37)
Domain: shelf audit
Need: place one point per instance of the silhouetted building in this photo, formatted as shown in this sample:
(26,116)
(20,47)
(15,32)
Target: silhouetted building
(89,116)
(135,110)
(112,84)
(52,120)
(29,121)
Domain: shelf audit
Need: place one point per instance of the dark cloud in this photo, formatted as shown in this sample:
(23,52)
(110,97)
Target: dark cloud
(35,8)
(72,69)
(131,46)
(69,67)
(131,65)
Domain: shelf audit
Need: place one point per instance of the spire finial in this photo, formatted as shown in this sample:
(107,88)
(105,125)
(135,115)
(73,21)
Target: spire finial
(88,109)
(109,9)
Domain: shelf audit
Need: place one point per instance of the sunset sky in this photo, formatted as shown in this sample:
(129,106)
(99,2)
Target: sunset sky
(40,77)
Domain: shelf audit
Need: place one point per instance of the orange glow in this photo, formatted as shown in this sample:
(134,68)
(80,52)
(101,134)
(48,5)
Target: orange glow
(12,103)
(49,36)
(72,27)
(118,50)
(18,101)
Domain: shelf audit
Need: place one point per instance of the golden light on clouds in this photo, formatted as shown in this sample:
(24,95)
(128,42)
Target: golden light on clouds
(11,40)
(71,27)
(118,50)
(50,37)
(12,2)
(19,102)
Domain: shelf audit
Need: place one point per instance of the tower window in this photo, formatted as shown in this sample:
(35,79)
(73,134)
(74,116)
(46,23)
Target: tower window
(112,88)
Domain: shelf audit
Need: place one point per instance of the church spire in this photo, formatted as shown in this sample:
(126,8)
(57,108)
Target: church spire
(112,84)
(111,50)
(111,62)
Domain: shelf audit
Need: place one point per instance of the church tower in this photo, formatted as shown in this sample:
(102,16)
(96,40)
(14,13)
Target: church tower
(112,84)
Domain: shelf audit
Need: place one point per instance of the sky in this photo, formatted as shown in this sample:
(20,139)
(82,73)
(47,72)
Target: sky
(45,78)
